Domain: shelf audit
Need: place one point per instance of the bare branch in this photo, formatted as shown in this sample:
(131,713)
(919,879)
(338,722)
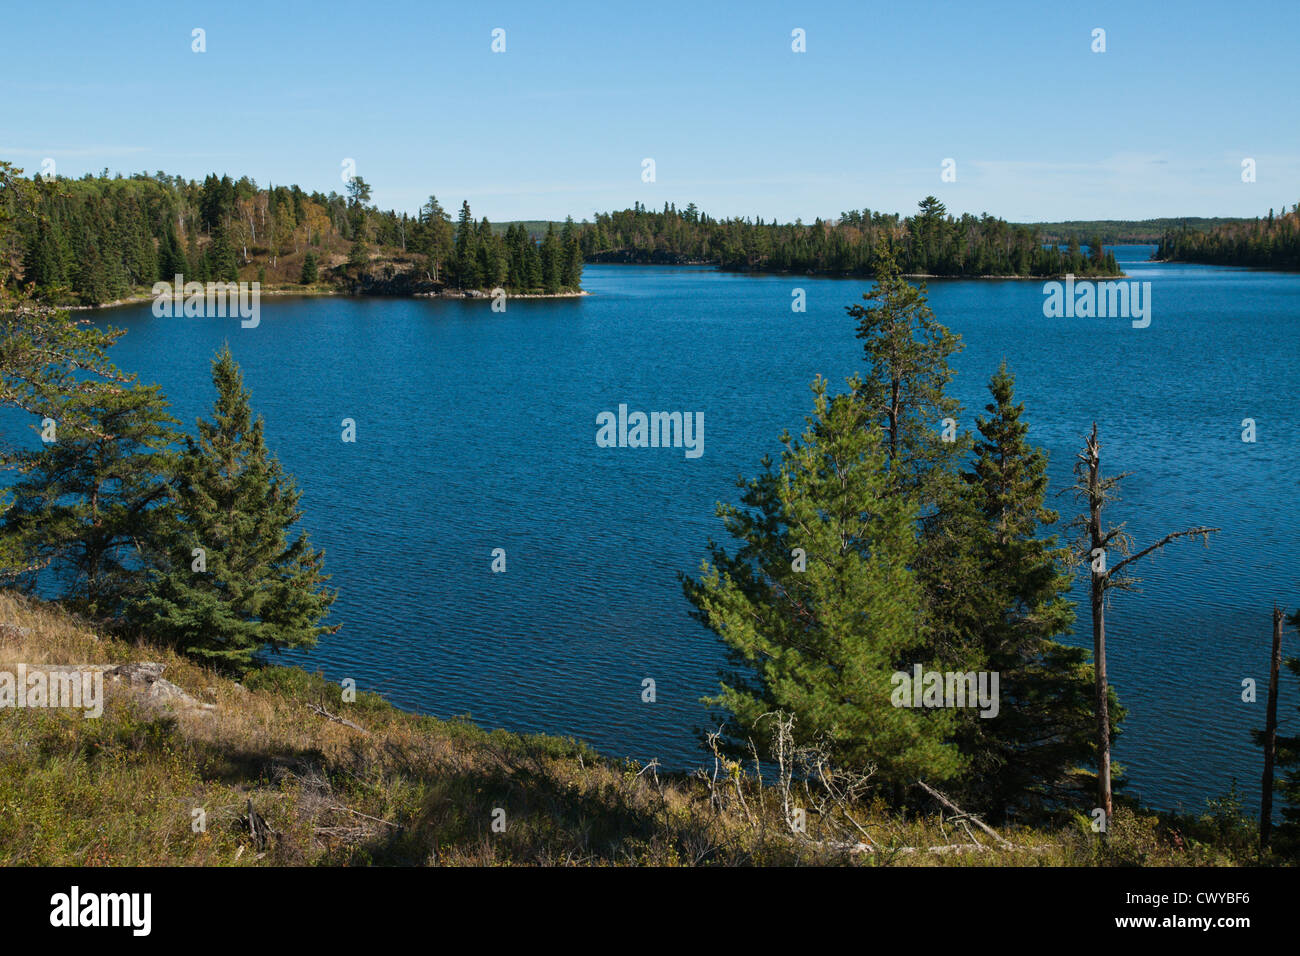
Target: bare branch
(1204,533)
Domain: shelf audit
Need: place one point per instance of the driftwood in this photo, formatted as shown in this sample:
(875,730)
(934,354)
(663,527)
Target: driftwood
(321,711)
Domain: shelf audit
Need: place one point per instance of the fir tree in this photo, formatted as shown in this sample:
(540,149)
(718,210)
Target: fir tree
(310,269)
(235,576)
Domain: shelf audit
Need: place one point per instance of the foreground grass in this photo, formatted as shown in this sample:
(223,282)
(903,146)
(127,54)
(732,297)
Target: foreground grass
(127,789)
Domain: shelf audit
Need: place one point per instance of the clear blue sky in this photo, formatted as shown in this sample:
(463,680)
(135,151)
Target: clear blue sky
(1041,127)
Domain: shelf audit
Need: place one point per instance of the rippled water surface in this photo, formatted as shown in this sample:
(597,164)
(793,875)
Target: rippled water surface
(476,431)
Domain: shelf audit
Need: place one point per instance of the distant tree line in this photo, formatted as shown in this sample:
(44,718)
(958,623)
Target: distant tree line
(928,243)
(1119,231)
(1270,243)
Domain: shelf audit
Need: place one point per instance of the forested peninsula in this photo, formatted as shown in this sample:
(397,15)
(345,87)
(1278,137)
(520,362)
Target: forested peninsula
(1272,243)
(929,243)
(104,239)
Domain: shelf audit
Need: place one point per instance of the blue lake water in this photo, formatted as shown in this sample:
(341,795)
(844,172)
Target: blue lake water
(475,430)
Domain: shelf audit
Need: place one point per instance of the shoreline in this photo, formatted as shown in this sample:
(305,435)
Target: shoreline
(308,293)
(870,278)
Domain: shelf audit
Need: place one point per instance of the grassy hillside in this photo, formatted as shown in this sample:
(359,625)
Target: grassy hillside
(390,787)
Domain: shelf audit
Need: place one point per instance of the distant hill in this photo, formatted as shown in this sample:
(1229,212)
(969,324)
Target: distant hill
(536,228)
(1119,231)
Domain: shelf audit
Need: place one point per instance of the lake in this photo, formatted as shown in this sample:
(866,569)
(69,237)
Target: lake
(476,430)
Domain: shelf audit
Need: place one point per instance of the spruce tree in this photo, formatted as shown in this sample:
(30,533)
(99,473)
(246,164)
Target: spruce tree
(467,274)
(44,263)
(1043,732)
(571,266)
(222,264)
(819,632)
(552,261)
(91,279)
(235,577)
(171,258)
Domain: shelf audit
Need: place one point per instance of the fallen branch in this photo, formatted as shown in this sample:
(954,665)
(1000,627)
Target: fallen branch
(339,806)
(963,815)
(322,712)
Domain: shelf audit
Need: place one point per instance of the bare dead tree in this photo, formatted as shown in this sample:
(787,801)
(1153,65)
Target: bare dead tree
(1270,734)
(1094,543)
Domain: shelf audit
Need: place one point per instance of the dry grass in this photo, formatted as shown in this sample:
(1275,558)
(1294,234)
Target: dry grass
(123,789)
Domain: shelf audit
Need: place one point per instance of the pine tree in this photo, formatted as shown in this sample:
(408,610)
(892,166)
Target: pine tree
(436,238)
(904,394)
(818,632)
(234,577)
(907,352)
(92,502)
(359,256)
(310,269)
(45,358)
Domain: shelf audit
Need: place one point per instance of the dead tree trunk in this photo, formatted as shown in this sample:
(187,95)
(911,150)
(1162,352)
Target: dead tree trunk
(1093,545)
(1270,735)
(1097,556)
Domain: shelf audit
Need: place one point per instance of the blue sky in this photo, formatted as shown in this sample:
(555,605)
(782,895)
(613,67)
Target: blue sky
(1041,127)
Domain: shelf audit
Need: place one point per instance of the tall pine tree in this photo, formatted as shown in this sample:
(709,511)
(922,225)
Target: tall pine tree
(819,606)
(904,393)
